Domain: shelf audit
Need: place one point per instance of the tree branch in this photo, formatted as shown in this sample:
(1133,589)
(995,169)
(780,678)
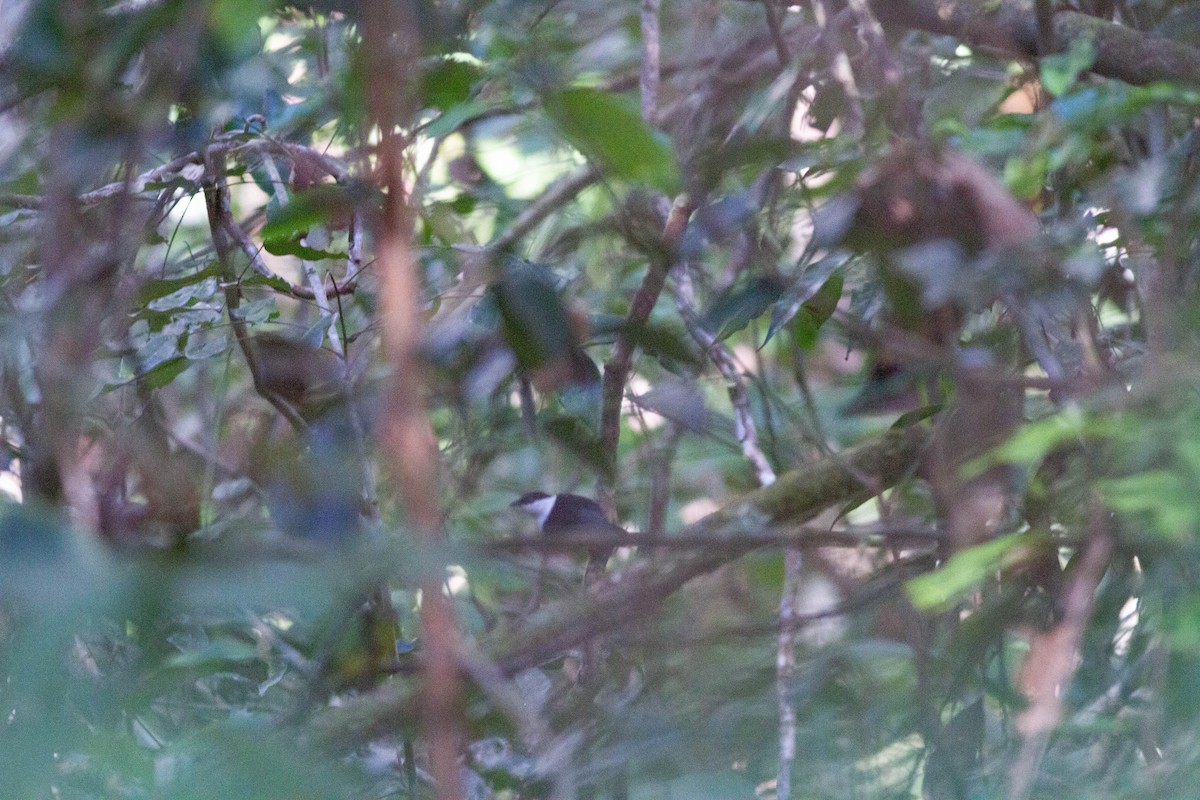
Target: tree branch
(407,440)
(223,228)
(616,371)
(1121,52)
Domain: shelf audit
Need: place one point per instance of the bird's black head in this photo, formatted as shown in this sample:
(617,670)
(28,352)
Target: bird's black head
(528,499)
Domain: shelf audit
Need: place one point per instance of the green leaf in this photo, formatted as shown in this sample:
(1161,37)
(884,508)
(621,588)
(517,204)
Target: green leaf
(705,786)
(164,373)
(235,20)
(292,246)
(573,435)
(533,317)
(816,311)
(967,569)
(663,342)
(314,206)
(1060,71)
(735,308)
(451,118)
(1025,174)
(156,289)
(608,129)
(1034,441)
(449,83)
(214,654)
(1166,497)
(814,279)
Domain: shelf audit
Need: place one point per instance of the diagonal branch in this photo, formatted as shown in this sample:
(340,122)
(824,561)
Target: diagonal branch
(221,224)
(1121,52)
(616,371)
(719,353)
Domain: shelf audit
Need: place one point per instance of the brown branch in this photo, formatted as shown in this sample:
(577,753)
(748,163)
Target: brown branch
(1121,52)
(781,48)
(221,224)
(721,356)
(556,195)
(616,371)
(1054,655)
(408,444)
(788,537)
(660,479)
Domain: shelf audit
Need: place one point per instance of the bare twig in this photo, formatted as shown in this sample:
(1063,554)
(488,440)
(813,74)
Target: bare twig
(557,194)
(221,224)
(785,667)
(801,537)
(616,371)
(651,69)
(843,73)
(660,479)
(781,48)
(744,426)
(477,267)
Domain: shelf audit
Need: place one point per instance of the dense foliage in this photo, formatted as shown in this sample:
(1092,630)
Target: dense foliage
(874,323)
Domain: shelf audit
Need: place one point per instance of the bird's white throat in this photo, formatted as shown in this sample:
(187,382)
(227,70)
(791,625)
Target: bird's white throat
(541,509)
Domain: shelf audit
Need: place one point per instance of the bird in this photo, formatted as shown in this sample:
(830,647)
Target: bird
(566,514)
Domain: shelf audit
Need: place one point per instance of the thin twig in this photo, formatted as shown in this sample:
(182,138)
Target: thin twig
(616,370)
(557,194)
(781,48)
(719,353)
(660,479)
(651,67)
(790,538)
(220,223)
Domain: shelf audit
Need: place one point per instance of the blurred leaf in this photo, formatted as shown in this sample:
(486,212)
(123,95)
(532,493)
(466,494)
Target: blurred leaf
(251,759)
(734,308)
(237,20)
(1168,498)
(316,205)
(164,373)
(814,278)
(968,568)
(816,311)
(579,440)
(663,341)
(449,83)
(215,654)
(678,401)
(534,319)
(164,287)
(610,130)
(964,98)
(294,247)
(1025,174)
(450,119)
(1033,441)
(200,347)
(705,786)
(833,219)
(1060,70)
